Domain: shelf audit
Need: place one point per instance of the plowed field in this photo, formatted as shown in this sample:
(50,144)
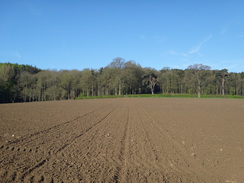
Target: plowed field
(123,140)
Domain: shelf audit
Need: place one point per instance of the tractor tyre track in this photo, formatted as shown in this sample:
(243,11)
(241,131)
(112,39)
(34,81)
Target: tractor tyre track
(185,164)
(31,137)
(49,155)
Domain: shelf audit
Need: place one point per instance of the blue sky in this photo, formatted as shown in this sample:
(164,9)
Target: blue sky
(78,34)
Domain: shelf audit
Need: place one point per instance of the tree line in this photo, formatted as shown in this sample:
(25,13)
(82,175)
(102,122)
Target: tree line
(24,83)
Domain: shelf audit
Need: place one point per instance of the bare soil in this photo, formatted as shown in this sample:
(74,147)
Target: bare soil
(123,140)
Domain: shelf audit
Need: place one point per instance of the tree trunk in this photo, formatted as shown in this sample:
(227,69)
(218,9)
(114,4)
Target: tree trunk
(116,91)
(223,86)
(119,89)
(152,88)
(199,92)
(92,91)
(98,90)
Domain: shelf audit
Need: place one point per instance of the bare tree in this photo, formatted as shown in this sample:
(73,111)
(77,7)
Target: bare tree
(117,66)
(198,74)
(132,76)
(152,81)
(223,78)
(24,83)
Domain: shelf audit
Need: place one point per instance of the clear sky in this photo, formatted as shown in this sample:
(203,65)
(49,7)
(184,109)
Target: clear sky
(78,34)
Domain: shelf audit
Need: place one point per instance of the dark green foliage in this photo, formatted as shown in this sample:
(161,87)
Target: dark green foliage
(24,83)
(9,81)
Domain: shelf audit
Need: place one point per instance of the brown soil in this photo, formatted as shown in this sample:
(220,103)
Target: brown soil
(123,140)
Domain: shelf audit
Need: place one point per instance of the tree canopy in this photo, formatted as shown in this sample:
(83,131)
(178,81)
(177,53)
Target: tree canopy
(25,83)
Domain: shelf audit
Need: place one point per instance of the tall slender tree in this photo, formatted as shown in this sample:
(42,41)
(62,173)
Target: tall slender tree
(198,74)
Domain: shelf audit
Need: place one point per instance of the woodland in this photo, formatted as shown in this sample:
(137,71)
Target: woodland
(25,83)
